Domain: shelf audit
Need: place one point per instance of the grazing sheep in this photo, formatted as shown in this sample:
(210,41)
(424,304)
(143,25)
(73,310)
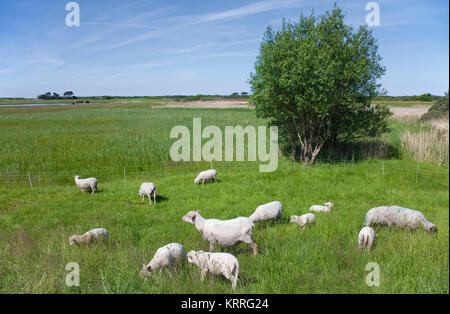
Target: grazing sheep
(206,175)
(169,255)
(321,208)
(88,183)
(267,211)
(303,220)
(366,238)
(398,216)
(146,189)
(224,232)
(90,236)
(216,263)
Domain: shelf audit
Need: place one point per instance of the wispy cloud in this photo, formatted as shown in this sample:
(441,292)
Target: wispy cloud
(246,10)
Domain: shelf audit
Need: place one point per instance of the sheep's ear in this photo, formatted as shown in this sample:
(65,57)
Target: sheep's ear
(198,211)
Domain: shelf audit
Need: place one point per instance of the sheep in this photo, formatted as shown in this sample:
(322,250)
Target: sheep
(216,263)
(267,211)
(88,183)
(146,189)
(303,220)
(398,216)
(90,236)
(206,175)
(321,208)
(224,232)
(169,255)
(366,238)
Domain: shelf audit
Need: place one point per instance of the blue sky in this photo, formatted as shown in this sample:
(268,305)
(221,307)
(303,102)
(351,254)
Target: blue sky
(144,47)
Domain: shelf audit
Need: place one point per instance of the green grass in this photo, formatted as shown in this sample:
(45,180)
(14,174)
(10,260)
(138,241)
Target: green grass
(35,224)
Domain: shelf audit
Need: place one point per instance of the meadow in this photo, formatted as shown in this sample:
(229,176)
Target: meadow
(53,144)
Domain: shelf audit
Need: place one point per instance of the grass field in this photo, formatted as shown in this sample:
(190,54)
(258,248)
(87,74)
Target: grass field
(35,223)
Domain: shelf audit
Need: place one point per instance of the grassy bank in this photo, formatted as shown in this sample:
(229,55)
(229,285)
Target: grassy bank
(58,143)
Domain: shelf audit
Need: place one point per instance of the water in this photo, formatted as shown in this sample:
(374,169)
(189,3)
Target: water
(35,105)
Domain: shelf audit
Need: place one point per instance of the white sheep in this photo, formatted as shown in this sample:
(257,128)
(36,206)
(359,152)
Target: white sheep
(398,216)
(169,255)
(88,183)
(272,210)
(206,175)
(90,236)
(321,208)
(366,238)
(146,189)
(303,220)
(216,263)
(224,232)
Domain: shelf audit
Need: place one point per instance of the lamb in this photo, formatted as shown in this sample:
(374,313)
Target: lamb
(146,189)
(88,183)
(206,175)
(90,236)
(267,211)
(366,238)
(303,220)
(169,255)
(216,263)
(398,216)
(224,232)
(321,208)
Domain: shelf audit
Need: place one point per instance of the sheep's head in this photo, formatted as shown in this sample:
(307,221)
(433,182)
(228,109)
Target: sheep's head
(431,227)
(193,257)
(76,177)
(197,180)
(190,216)
(294,218)
(73,240)
(329,204)
(146,271)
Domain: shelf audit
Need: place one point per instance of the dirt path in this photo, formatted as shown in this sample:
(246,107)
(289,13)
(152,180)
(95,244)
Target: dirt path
(413,111)
(209,104)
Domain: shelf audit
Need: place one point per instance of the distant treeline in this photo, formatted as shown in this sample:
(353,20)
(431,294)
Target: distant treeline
(183,97)
(423,97)
(66,95)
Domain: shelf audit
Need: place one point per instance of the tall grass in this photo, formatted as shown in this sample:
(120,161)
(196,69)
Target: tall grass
(430,145)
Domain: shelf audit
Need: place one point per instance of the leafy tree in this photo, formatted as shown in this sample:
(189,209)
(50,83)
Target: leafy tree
(438,110)
(315,80)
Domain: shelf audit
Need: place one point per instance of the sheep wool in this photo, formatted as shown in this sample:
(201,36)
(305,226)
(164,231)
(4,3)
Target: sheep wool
(224,232)
(216,263)
(366,238)
(205,176)
(398,216)
(90,236)
(169,255)
(88,183)
(321,208)
(303,220)
(147,189)
(272,210)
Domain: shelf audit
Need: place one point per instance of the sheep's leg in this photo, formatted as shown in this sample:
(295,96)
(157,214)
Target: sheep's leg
(92,190)
(154,196)
(255,248)
(211,246)
(202,275)
(149,198)
(369,245)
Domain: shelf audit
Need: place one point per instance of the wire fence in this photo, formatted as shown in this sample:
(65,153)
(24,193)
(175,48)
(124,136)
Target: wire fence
(416,172)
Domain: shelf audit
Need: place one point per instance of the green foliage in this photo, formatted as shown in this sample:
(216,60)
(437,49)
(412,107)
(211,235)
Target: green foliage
(439,110)
(315,80)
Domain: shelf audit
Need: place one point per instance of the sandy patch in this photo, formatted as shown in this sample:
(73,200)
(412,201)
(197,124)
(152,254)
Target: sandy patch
(414,111)
(209,104)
